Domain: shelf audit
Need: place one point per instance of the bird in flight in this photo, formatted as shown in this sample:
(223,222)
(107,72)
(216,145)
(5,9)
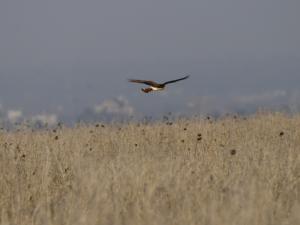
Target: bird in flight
(153,86)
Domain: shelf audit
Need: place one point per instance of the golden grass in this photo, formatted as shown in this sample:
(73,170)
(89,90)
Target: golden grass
(196,171)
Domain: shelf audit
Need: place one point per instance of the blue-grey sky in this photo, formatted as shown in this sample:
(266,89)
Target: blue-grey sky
(69,55)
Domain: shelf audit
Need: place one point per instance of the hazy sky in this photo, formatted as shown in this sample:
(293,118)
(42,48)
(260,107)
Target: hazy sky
(72,54)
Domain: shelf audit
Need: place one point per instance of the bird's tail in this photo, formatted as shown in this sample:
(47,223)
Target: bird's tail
(146,90)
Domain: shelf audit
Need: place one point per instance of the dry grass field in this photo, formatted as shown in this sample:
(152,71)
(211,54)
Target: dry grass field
(233,171)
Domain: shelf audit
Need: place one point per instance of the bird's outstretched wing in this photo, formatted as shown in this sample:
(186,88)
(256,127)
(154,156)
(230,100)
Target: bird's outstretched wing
(173,81)
(147,82)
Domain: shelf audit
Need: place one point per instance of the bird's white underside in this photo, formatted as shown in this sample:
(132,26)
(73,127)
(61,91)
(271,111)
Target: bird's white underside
(157,89)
